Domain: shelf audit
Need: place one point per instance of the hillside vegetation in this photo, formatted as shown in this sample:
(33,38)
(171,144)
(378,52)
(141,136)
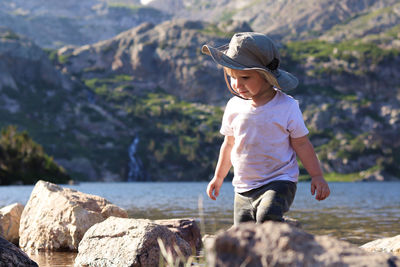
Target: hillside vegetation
(147,105)
(23,161)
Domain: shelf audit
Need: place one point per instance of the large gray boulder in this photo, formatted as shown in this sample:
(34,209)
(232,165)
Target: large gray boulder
(9,222)
(56,218)
(128,242)
(280,244)
(12,256)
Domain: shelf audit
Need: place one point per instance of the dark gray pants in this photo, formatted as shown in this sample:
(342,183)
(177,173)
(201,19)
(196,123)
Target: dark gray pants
(268,202)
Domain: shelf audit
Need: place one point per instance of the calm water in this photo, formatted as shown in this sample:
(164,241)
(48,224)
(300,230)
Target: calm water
(355,212)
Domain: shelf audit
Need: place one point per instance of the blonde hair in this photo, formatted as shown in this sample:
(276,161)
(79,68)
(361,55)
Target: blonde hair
(228,84)
(267,76)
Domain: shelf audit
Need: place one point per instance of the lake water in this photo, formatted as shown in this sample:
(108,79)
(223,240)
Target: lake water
(355,212)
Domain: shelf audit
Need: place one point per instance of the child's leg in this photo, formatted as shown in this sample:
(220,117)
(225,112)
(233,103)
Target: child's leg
(275,201)
(243,210)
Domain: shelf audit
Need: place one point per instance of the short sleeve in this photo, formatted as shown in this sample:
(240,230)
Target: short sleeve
(226,126)
(296,125)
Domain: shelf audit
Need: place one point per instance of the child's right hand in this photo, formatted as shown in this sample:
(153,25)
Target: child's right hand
(213,188)
(320,186)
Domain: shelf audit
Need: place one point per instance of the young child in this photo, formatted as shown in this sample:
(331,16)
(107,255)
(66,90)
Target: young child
(264,131)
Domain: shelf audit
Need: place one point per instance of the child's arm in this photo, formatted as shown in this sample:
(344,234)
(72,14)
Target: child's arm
(305,150)
(223,166)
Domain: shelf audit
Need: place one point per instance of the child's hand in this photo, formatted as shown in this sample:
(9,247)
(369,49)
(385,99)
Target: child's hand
(319,184)
(213,188)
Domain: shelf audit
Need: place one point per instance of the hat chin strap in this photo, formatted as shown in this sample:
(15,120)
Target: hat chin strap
(233,92)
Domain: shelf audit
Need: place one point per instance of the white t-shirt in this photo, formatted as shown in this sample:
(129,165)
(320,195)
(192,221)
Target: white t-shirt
(262,151)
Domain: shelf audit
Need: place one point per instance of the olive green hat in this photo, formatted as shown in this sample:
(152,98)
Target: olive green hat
(252,51)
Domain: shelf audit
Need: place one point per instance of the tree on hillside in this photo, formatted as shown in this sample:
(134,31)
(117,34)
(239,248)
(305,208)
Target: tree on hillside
(23,160)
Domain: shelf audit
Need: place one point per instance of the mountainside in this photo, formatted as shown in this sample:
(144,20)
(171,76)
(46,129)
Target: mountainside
(341,85)
(57,111)
(350,94)
(146,104)
(293,19)
(53,24)
(104,128)
(165,55)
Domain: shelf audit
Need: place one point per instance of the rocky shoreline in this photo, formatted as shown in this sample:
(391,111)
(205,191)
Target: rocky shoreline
(62,219)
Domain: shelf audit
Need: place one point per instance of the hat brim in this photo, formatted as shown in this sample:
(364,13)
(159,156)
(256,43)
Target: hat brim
(285,80)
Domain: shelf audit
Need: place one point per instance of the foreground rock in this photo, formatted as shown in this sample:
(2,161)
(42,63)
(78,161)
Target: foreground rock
(187,229)
(389,244)
(11,255)
(127,242)
(279,244)
(56,218)
(9,222)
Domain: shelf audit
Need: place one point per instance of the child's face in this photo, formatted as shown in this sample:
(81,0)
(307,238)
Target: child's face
(248,83)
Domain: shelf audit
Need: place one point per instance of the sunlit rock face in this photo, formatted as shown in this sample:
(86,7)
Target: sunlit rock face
(9,222)
(165,56)
(128,242)
(56,218)
(388,244)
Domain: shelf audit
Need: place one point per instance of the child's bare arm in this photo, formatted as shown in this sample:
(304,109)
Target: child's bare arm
(305,150)
(223,166)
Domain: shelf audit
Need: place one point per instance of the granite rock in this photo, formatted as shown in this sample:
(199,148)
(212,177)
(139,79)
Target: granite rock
(56,218)
(128,242)
(11,255)
(389,244)
(9,222)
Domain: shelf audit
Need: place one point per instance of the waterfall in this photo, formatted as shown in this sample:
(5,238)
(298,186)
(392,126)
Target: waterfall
(91,97)
(135,164)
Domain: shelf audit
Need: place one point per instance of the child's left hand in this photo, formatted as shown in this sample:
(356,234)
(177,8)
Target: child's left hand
(319,184)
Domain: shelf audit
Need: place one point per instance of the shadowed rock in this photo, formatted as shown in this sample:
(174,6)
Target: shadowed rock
(292,222)
(187,229)
(11,255)
(279,244)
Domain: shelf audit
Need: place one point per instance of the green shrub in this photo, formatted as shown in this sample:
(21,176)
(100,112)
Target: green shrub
(350,51)
(10,35)
(23,160)
(301,50)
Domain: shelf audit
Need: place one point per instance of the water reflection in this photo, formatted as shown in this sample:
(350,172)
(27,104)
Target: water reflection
(54,259)
(345,225)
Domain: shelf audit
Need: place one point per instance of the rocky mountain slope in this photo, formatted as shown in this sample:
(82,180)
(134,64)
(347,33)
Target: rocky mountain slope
(53,23)
(341,85)
(103,128)
(165,55)
(56,110)
(293,19)
(378,25)
(146,105)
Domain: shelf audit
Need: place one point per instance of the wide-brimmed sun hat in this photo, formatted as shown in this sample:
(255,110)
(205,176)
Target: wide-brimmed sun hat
(253,51)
